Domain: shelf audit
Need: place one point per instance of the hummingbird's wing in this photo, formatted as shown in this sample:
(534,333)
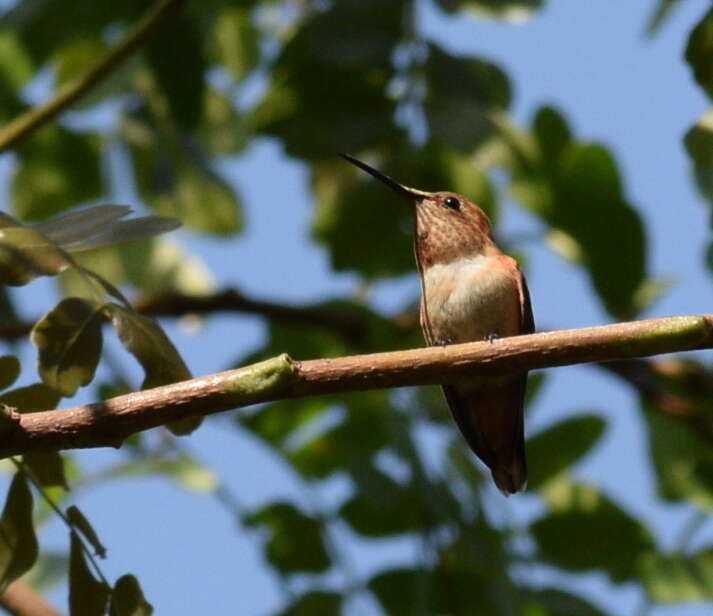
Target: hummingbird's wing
(490,416)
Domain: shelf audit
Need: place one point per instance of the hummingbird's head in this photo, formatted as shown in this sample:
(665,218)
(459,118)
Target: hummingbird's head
(447,225)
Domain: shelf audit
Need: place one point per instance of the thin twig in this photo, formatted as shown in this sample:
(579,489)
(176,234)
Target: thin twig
(37,116)
(108,423)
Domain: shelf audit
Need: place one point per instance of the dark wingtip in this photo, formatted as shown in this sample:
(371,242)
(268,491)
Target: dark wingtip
(509,482)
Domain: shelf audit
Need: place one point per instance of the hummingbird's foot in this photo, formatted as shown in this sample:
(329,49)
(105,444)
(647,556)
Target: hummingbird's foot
(492,336)
(443,342)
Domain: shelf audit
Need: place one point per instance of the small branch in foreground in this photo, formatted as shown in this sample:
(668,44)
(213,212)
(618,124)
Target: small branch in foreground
(19,599)
(34,118)
(108,423)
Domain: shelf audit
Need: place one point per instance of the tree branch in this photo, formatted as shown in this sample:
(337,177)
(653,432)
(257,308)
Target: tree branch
(108,423)
(35,117)
(19,599)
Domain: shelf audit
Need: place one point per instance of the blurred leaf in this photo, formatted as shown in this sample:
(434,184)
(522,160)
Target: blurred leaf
(82,525)
(315,603)
(699,145)
(699,52)
(682,460)
(558,447)
(26,254)
(57,169)
(177,179)
(363,431)
(554,602)
(18,544)
(585,530)
(47,468)
(127,598)
(223,130)
(50,569)
(512,10)
(382,506)
(237,41)
(677,578)
(87,595)
(175,57)
(328,91)
(295,541)
(69,341)
(31,398)
(661,13)
(9,370)
(276,421)
(16,69)
(182,469)
(460,93)
(579,194)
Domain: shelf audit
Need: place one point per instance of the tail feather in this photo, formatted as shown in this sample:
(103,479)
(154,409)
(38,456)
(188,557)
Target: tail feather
(490,418)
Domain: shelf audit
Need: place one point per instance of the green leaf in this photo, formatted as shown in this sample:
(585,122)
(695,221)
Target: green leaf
(585,530)
(9,370)
(26,254)
(315,603)
(384,507)
(512,10)
(237,41)
(554,602)
(18,544)
(578,193)
(661,13)
(148,343)
(461,92)
(677,578)
(47,468)
(295,540)
(558,447)
(69,341)
(127,598)
(699,52)
(182,469)
(57,169)
(175,57)
(87,595)
(328,91)
(699,145)
(82,525)
(682,460)
(31,398)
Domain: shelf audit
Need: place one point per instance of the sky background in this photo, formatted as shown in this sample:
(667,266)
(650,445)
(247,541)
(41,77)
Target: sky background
(592,61)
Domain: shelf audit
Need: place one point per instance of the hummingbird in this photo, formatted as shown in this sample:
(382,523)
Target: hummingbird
(471,290)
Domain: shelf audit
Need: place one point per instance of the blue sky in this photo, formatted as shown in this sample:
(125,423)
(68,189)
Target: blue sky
(592,61)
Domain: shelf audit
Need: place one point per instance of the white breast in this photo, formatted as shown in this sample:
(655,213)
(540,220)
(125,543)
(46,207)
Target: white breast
(471,298)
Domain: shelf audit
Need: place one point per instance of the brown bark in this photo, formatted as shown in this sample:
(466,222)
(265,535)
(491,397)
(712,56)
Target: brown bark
(108,423)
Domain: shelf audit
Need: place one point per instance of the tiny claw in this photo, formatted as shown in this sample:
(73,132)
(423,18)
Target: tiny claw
(443,342)
(492,336)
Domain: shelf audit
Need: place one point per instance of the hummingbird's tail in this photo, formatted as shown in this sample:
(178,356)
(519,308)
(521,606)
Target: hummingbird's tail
(491,421)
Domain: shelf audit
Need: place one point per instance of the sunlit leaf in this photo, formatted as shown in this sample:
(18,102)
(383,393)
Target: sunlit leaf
(87,595)
(127,598)
(18,544)
(26,254)
(676,578)
(511,10)
(555,602)
(237,41)
(69,341)
(585,530)
(558,447)
(295,541)
(699,144)
(82,525)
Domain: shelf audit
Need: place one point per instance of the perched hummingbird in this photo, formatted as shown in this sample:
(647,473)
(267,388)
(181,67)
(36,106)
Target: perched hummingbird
(471,291)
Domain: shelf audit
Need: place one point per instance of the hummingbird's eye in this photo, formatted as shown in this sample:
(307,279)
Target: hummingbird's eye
(452,203)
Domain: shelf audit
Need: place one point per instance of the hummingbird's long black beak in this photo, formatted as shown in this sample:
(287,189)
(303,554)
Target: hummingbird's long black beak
(404,191)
